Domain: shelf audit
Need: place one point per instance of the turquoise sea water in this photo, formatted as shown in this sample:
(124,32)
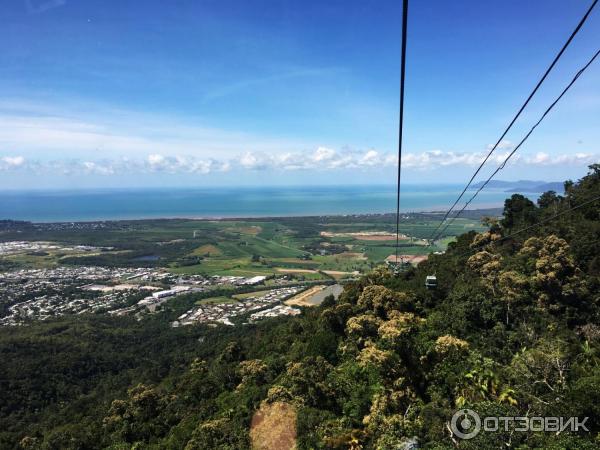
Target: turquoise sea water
(114,204)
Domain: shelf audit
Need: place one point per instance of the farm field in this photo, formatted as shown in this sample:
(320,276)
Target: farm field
(216,300)
(299,248)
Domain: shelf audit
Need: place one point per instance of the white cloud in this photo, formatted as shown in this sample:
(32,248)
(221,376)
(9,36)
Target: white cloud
(371,158)
(38,130)
(321,159)
(544,159)
(504,144)
(155,160)
(250,161)
(323,154)
(540,158)
(70,141)
(180,164)
(98,168)
(12,161)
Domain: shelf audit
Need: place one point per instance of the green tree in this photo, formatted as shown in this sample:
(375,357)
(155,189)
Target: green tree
(519,212)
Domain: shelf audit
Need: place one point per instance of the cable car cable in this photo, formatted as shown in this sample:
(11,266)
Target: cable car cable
(548,70)
(401,118)
(503,164)
(522,230)
(542,222)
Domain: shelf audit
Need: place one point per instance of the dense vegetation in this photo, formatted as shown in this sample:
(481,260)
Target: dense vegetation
(512,330)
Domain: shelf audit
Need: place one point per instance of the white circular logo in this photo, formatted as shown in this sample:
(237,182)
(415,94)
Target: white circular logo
(465,424)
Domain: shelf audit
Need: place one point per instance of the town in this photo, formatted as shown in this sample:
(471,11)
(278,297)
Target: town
(224,312)
(39,294)
(15,247)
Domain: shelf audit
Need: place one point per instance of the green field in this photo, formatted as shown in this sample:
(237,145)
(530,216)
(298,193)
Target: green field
(295,247)
(249,294)
(216,300)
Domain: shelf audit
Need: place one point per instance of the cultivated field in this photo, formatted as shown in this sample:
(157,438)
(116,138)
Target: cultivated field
(301,248)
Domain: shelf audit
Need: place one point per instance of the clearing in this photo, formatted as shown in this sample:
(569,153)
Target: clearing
(251,294)
(366,235)
(279,269)
(216,300)
(208,249)
(303,298)
(315,295)
(273,427)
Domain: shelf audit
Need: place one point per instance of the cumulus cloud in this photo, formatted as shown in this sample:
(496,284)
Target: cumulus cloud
(504,144)
(182,164)
(437,158)
(251,160)
(12,161)
(323,154)
(320,159)
(164,145)
(66,130)
(544,159)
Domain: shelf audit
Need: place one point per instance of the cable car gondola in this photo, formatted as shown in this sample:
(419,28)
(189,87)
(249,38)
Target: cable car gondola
(431,282)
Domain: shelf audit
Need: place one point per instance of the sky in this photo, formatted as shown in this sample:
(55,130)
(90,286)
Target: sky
(107,93)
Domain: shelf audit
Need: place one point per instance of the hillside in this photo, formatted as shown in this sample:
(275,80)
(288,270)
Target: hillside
(511,330)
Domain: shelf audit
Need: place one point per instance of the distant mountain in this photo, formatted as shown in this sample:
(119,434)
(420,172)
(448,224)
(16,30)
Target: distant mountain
(524,186)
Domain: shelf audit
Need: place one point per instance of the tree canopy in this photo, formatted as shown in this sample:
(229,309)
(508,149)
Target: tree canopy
(511,330)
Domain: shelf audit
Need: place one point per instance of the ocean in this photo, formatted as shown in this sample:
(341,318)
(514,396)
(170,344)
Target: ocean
(116,204)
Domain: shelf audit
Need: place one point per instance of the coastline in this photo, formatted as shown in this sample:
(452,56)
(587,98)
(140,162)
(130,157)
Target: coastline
(468,213)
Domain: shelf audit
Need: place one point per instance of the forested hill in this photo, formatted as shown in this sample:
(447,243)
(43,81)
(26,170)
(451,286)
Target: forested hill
(512,330)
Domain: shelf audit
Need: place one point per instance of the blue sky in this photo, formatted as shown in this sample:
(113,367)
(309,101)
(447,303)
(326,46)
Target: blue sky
(195,92)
